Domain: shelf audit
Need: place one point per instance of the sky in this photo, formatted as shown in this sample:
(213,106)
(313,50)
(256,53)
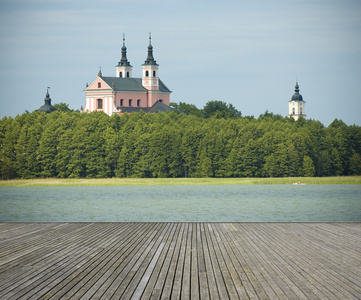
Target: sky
(247,53)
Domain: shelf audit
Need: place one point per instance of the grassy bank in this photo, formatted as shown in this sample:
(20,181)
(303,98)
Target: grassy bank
(178,181)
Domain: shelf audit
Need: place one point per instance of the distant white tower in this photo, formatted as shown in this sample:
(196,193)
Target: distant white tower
(296,106)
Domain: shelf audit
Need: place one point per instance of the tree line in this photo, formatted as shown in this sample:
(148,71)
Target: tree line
(186,142)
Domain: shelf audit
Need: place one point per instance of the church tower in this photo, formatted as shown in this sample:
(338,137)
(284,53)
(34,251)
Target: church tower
(47,107)
(150,78)
(124,69)
(296,106)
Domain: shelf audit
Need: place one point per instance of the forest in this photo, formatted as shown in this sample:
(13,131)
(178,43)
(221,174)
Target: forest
(216,141)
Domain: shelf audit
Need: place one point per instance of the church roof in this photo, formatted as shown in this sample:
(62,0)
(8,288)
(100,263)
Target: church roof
(131,84)
(47,107)
(125,84)
(297,96)
(159,106)
(124,61)
(150,58)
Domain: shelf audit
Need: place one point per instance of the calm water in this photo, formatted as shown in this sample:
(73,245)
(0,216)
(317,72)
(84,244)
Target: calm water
(225,203)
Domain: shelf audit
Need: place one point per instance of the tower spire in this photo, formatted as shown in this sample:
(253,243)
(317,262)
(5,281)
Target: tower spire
(123,69)
(124,61)
(297,88)
(150,59)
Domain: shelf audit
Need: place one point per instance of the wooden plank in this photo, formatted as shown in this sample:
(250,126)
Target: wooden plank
(166,276)
(307,270)
(249,260)
(179,270)
(224,277)
(124,271)
(209,268)
(194,264)
(186,278)
(145,279)
(143,264)
(83,259)
(180,260)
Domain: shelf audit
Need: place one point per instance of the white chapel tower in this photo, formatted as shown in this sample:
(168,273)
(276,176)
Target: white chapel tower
(296,106)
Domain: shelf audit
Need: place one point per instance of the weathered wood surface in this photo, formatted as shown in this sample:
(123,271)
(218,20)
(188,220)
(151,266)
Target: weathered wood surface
(180,260)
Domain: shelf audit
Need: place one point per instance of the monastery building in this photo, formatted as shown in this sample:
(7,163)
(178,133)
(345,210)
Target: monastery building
(125,94)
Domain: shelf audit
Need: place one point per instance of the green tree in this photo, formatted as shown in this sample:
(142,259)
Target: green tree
(189,148)
(26,152)
(188,109)
(252,159)
(308,168)
(233,160)
(336,166)
(142,152)
(112,148)
(220,109)
(10,130)
(165,153)
(48,144)
(355,164)
(62,107)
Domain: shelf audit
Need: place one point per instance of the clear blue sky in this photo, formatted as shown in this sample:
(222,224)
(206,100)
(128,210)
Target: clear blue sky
(248,53)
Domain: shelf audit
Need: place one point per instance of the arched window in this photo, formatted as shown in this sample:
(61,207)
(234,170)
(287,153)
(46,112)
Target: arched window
(99,85)
(99,103)
(293,111)
(160,100)
(120,74)
(138,102)
(121,102)
(128,74)
(147,73)
(300,111)
(130,102)
(154,73)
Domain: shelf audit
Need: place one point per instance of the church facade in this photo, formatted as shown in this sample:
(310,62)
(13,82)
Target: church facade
(296,106)
(125,94)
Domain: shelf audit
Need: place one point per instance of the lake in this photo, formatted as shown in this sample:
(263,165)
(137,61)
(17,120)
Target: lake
(192,203)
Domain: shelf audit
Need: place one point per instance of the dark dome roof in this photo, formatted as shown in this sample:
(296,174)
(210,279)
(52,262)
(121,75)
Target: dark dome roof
(47,107)
(297,96)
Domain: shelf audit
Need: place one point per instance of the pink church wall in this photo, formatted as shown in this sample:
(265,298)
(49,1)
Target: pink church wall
(155,96)
(94,85)
(131,95)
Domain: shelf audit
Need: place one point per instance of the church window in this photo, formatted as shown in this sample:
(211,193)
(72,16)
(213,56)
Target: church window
(121,102)
(300,111)
(160,100)
(100,103)
(154,73)
(293,111)
(147,73)
(120,74)
(130,102)
(138,102)
(128,74)
(99,85)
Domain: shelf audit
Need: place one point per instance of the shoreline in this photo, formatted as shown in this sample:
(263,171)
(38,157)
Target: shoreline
(176,181)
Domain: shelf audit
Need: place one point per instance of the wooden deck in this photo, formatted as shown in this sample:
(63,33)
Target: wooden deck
(180,260)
